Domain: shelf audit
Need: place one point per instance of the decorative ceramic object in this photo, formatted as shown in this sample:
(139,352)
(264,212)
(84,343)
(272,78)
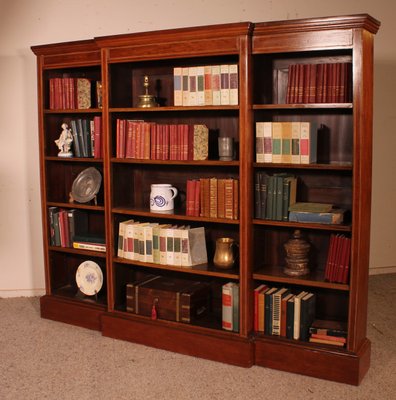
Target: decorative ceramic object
(161,197)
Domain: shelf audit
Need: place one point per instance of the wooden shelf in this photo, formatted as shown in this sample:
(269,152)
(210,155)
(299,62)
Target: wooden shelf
(75,111)
(173,109)
(314,280)
(302,225)
(75,205)
(205,163)
(304,106)
(324,167)
(203,269)
(175,216)
(74,159)
(71,250)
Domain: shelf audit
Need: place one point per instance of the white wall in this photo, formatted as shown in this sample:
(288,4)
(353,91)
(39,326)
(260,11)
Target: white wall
(31,22)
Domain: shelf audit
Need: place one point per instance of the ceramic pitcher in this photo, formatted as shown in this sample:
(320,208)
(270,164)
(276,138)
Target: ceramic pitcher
(161,197)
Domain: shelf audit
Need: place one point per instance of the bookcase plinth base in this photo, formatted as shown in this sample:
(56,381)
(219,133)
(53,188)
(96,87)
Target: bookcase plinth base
(71,312)
(323,363)
(217,347)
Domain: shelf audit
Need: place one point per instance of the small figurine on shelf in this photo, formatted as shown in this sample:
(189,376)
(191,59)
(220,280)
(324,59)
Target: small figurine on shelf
(64,142)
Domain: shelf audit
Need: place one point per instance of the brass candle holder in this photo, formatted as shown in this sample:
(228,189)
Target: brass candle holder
(297,250)
(147,100)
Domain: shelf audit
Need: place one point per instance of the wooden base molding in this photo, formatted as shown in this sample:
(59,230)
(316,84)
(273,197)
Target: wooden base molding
(217,347)
(326,363)
(71,312)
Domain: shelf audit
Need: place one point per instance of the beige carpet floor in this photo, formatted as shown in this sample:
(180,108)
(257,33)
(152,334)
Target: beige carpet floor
(42,359)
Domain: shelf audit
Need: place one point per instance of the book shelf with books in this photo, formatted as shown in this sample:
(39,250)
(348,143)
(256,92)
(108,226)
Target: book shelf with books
(176,143)
(313,76)
(69,89)
(300,167)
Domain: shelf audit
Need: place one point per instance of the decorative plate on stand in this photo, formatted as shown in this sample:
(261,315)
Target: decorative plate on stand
(89,278)
(86,186)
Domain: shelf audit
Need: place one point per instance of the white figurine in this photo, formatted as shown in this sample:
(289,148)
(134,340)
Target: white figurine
(64,142)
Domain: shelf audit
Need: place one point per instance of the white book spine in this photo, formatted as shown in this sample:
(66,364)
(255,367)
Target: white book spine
(260,142)
(200,86)
(177,87)
(267,142)
(224,85)
(185,86)
(227,302)
(216,85)
(234,84)
(296,128)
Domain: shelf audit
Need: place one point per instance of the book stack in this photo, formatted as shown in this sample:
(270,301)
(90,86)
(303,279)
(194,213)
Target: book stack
(206,85)
(67,93)
(213,198)
(328,332)
(273,195)
(338,259)
(279,312)
(319,83)
(152,141)
(320,213)
(70,228)
(286,142)
(230,306)
(87,137)
(165,244)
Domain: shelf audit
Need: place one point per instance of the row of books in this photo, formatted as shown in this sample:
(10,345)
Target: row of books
(279,312)
(68,93)
(230,306)
(286,142)
(329,332)
(70,228)
(206,85)
(162,243)
(87,137)
(213,198)
(152,141)
(273,195)
(338,259)
(319,83)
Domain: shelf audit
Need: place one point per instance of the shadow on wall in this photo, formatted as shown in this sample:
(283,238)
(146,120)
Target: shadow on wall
(383,214)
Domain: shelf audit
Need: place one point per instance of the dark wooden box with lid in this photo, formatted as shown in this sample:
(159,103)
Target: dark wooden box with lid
(159,297)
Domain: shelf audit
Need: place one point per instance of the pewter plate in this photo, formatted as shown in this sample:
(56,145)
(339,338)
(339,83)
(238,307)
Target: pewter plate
(86,186)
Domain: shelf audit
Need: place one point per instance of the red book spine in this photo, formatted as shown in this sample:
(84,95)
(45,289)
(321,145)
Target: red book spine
(307,81)
(118,142)
(153,141)
(166,140)
(190,143)
(190,197)
(129,139)
(299,84)
(98,137)
(347,262)
(312,83)
(197,198)
(291,83)
(319,84)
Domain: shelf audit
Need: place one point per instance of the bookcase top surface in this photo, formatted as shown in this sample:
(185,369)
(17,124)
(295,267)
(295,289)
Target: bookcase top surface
(363,21)
(170,35)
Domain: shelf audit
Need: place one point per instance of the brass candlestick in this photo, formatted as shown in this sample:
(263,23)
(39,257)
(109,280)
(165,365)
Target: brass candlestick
(297,250)
(147,100)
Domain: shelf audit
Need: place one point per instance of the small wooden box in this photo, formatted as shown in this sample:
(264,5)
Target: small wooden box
(171,299)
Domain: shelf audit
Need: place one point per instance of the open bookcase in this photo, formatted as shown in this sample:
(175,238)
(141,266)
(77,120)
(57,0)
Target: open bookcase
(262,54)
